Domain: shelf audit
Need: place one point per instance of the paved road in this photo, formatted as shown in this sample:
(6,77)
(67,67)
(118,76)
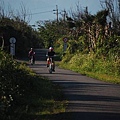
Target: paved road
(89,99)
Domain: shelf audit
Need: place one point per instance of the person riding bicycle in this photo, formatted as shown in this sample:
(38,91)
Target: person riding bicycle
(51,54)
(31,54)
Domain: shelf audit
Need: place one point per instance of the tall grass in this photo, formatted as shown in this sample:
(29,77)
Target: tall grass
(106,69)
(23,93)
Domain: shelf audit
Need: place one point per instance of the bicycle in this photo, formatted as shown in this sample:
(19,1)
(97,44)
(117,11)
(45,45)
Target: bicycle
(50,64)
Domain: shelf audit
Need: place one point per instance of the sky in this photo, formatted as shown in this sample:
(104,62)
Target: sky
(43,9)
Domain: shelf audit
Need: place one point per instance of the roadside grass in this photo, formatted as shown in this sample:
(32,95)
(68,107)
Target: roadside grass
(101,69)
(26,95)
(43,98)
(102,77)
(99,76)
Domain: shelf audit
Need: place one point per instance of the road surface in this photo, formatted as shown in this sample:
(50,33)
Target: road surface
(88,98)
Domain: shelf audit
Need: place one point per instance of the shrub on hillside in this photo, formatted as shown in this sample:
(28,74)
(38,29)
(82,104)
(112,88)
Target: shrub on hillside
(22,91)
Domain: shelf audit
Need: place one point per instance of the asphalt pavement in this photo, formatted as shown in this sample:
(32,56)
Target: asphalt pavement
(88,98)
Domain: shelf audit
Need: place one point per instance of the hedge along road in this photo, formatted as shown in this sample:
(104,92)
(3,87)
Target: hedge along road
(88,98)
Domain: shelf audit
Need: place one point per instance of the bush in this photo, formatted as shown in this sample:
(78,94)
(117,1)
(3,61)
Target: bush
(23,92)
(90,64)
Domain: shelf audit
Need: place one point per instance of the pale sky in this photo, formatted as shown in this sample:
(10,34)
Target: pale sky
(43,9)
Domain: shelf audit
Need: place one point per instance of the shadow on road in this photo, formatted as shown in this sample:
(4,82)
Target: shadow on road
(76,116)
(86,116)
(89,99)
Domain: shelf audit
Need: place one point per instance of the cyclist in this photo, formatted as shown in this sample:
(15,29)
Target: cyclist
(51,53)
(31,54)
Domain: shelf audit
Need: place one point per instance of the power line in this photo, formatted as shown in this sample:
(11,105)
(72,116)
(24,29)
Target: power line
(40,12)
(56,12)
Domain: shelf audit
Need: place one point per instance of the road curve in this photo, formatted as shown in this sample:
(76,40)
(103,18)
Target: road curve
(88,98)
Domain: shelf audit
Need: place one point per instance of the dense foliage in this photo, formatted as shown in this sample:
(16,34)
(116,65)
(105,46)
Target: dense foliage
(22,92)
(93,48)
(24,34)
(93,42)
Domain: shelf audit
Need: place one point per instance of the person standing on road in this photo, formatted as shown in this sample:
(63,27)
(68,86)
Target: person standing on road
(31,54)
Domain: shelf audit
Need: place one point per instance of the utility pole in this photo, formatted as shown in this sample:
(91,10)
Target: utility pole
(64,15)
(56,12)
(119,5)
(119,10)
